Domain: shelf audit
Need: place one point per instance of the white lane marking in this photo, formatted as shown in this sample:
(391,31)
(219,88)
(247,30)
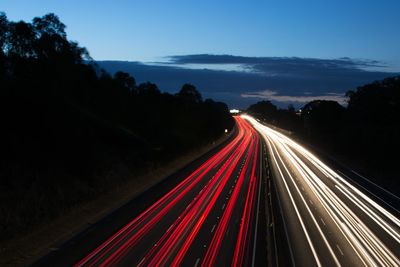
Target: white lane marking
(197,262)
(322,220)
(258,206)
(223,206)
(332,197)
(280,207)
(312,203)
(140,263)
(341,252)
(294,204)
(213,228)
(169,228)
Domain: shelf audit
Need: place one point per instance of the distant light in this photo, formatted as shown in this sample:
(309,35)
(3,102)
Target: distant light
(226,130)
(234,111)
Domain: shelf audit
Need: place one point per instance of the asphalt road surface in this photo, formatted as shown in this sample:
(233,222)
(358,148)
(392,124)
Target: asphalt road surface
(328,219)
(212,217)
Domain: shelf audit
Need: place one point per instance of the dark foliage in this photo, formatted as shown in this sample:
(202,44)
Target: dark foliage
(373,121)
(367,130)
(70,131)
(283,118)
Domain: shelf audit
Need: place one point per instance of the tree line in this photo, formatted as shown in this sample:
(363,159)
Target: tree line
(70,130)
(367,130)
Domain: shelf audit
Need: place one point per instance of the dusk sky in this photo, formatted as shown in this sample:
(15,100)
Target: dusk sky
(152,31)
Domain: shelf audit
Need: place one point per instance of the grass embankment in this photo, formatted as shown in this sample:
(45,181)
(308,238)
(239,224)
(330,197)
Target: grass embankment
(42,238)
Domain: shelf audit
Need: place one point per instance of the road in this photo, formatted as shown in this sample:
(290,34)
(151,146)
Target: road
(328,220)
(210,218)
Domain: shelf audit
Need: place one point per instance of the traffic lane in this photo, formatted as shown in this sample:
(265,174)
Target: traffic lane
(86,241)
(184,207)
(175,246)
(303,251)
(368,246)
(187,241)
(200,246)
(246,221)
(170,258)
(137,253)
(383,196)
(371,249)
(117,251)
(330,246)
(293,224)
(368,213)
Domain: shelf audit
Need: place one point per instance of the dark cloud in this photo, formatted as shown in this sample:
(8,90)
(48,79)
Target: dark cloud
(297,99)
(290,79)
(277,63)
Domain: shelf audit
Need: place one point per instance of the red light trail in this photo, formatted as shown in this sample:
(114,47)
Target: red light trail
(188,209)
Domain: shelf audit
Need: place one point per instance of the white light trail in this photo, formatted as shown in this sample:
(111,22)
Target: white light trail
(343,203)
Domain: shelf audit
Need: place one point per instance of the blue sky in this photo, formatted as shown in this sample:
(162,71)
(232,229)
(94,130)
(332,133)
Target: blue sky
(151,30)
(147,30)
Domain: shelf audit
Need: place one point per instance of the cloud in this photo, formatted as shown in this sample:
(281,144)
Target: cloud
(300,99)
(290,78)
(281,65)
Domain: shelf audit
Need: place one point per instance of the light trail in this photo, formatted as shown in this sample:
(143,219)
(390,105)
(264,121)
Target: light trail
(188,207)
(371,232)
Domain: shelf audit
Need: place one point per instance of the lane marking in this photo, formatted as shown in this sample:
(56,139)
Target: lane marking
(292,201)
(257,209)
(280,207)
(140,263)
(213,228)
(341,252)
(197,262)
(169,228)
(322,220)
(302,198)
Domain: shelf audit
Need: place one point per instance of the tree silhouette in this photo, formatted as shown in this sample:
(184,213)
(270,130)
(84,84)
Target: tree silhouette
(21,39)
(71,132)
(148,90)
(265,109)
(291,108)
(3,30)
(125,80)
(322,117)
(49,25)
(366,131)
(189,93)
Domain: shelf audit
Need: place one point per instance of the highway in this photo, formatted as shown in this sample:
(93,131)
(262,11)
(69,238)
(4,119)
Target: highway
(210,218)
(328,220)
